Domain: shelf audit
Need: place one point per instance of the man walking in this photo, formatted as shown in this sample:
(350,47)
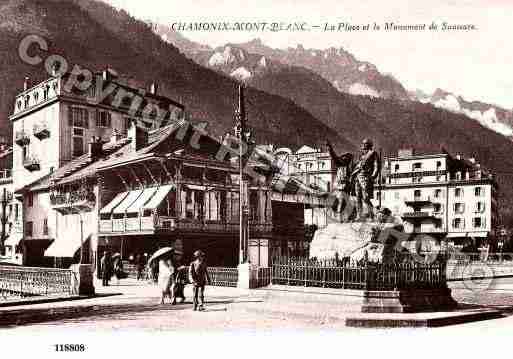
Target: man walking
(106,268)
(198,276)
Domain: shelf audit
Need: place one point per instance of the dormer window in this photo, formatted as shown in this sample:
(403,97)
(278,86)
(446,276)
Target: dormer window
(36,96)
(27,101)
(46,90)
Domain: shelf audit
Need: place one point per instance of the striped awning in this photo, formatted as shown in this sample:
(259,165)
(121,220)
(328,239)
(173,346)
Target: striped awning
(114,203)
(145,196)
(127,202)
(159,196)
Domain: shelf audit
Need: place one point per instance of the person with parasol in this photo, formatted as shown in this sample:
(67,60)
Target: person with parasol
(164,258)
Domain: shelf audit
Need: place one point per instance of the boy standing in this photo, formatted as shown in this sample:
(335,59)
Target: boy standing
(198,276)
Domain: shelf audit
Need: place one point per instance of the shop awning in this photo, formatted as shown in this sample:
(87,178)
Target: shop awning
(159,196)
(127,202)
(141,201)
(114,203)
(65,246)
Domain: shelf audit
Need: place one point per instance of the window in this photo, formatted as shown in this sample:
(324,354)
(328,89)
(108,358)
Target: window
(78,146)
(459,207)
(30,199)
(103,119)
(417,193)
(25,152)
(396,168)
(438,165)
(78,117)
(45,226)
(438,193)
(16,211)
(27,101)
(416,179)
(478,191)
(477,222)
(457,223)
(439,178)
(29,228)
(480,207)
(437,207)
(458,192)
(396,195)
(46,90)
(417,166)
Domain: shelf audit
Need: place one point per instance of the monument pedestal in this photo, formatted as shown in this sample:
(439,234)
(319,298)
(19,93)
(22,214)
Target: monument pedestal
(83,279)
(407,301)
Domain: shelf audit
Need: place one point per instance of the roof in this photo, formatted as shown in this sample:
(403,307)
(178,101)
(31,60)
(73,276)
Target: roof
(37,185)
(112,153)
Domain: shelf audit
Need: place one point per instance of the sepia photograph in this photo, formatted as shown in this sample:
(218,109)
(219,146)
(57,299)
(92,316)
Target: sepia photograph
(249,179)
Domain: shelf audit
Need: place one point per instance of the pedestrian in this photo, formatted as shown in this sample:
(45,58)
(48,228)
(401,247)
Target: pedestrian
(165,276)
(118,269)
(106,268)
(139,266)
(198,276)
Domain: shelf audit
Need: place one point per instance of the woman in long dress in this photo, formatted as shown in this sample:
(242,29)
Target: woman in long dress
(165,279)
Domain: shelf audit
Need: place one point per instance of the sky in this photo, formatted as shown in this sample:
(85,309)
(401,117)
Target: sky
(474,64)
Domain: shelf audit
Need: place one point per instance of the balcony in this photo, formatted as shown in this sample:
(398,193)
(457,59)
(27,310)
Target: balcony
(41,130)
(417,215)
(153,223)
(22,138)
(32,163)
(417,201)
(5,175)
(82,200)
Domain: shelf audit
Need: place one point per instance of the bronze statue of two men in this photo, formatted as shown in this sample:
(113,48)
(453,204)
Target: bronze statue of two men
(357,180)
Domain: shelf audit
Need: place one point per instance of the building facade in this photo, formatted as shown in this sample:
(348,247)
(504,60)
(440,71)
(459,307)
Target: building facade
(53,124)
(441,195)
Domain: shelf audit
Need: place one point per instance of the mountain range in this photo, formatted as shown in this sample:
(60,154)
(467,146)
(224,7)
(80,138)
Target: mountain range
(288,103)
(245,61)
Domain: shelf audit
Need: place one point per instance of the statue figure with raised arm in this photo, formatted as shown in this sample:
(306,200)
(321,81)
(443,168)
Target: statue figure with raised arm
(342,185)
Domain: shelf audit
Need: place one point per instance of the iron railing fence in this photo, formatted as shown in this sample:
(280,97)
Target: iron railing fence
(223,276)
(351,275)
(21,282)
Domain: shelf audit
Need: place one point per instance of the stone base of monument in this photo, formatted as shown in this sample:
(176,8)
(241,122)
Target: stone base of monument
(407,301)
(372,309)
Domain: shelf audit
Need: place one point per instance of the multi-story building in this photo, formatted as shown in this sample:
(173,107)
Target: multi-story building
(53,124)
(313,166)
(442,195)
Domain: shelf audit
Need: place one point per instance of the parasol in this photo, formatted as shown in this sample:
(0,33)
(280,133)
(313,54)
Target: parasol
(160,252)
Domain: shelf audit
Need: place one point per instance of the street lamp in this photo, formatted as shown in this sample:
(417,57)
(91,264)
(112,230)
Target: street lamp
(244,136)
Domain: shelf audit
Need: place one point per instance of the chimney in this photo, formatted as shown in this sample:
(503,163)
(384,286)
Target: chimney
(115,136)
(95,147)
(154,88)
(109,74)
(138,136)
(26,84)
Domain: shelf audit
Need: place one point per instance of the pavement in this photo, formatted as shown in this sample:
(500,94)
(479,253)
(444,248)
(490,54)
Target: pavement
(133,305)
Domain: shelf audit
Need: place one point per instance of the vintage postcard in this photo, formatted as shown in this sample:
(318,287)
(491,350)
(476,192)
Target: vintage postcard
(285,177)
